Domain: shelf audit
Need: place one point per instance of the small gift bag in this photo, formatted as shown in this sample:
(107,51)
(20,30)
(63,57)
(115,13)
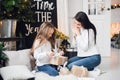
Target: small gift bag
(79,71)
(58,60)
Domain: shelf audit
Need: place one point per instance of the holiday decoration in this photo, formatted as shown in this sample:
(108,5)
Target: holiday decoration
(16,9)
(115,6)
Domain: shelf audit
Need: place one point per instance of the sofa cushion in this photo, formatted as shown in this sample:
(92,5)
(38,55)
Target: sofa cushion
(20,57)
(16,72)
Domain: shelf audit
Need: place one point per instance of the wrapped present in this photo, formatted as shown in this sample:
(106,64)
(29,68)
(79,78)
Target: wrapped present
(79,71)
(58,60)
(64,71)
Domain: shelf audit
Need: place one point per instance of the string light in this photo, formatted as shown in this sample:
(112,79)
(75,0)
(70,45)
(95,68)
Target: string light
(115,6)
(25,0)
(0,23)
(15,9)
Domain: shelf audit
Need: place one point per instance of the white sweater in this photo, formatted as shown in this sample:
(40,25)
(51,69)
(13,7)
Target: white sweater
(40,53)
(81,43)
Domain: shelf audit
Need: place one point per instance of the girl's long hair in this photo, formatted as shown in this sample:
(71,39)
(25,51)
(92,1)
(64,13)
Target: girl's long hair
(43,34)
(84,20)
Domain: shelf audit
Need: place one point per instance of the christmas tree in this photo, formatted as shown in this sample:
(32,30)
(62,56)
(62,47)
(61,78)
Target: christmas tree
(16,9)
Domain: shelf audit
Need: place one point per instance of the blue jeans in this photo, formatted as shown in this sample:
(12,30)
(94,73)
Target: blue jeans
(89,62)
(49,69)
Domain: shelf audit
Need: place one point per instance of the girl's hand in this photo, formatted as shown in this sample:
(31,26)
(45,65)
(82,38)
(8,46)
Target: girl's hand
(76,31)
(50,54)
(61,53)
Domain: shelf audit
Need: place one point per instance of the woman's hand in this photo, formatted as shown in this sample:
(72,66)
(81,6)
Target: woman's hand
(61,53)
(76,26)
(76,32)
(50,54)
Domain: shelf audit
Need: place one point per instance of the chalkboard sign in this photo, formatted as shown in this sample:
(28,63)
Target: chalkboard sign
(44,10)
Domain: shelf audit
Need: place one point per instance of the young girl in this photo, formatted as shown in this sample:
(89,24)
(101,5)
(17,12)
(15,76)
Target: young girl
(85,41)
(42,49)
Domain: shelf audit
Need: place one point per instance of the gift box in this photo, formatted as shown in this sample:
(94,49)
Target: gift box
(58,60)
(64,71)
(79,71)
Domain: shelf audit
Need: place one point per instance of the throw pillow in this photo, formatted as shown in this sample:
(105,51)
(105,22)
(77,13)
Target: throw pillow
(20,57)
(16,72)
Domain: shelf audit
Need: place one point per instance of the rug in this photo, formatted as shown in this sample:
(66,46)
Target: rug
(92,76)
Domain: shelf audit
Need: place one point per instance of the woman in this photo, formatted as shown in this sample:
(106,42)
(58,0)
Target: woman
(42,49)
(84,40)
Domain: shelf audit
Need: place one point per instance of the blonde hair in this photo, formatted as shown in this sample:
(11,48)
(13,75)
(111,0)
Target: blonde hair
(43,34)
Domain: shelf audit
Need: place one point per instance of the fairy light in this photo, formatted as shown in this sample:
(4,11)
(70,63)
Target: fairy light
(25,0)
(119,5)
(115,6)
(0,23)
(115,28)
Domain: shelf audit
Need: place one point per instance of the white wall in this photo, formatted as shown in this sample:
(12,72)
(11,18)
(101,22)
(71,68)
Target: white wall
(74,6)
(115,1)
(115,15)
(62,13)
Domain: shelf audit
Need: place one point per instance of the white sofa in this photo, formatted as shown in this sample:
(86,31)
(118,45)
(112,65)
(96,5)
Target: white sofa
(19,68)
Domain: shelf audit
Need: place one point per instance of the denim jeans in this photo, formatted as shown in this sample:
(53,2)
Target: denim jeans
(89,62)
(49,69)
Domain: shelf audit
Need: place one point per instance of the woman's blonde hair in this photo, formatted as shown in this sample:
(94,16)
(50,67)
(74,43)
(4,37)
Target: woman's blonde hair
(43,34)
